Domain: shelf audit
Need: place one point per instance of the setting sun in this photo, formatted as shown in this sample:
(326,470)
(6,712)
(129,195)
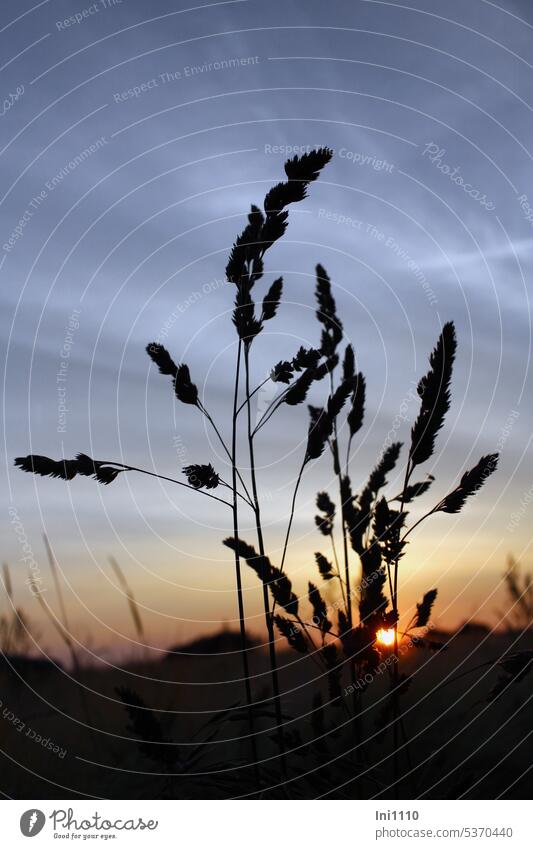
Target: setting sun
(385,636)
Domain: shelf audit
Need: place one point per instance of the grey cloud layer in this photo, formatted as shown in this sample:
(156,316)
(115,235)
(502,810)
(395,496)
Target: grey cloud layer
(408,86)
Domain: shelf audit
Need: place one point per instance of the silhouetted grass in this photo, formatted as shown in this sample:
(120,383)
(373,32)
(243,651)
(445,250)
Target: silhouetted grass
(367,531)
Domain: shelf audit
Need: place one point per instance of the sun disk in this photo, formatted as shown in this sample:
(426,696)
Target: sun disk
(385,636)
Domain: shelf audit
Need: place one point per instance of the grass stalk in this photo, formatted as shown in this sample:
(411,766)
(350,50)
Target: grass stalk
(61,626)
(268,615)
(347,593)
(224,446)
(336,461)
(132,603)
(170,480)
(291,516)
(238,576)
(395,669)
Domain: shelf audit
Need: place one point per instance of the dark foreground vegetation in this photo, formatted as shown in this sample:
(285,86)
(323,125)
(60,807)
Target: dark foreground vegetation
(177,737)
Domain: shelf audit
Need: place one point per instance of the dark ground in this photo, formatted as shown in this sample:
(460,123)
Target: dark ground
(179,740)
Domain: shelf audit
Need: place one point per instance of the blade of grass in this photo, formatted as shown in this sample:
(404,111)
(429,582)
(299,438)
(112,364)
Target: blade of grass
(132,603)
(238,576)
(268,615)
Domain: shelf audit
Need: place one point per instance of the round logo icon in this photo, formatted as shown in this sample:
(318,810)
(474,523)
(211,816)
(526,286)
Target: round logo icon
(32,822)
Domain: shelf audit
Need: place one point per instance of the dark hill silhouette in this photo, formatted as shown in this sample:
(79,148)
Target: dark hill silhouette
(224,642)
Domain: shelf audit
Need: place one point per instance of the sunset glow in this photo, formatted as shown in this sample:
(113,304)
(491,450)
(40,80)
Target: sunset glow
(385,636)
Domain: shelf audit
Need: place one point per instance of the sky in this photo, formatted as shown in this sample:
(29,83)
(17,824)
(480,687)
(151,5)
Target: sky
(134,138)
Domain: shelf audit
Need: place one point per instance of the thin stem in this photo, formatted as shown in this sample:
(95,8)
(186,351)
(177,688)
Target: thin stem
(239,494)
(65,636)
(425,516)
(221,440)
(242,625)
(344,534)
(395,670)
(348,454)
(273,403)
(57,583)
(291,517)
(316,660)
(318,628)
(287,535)
(391,587)
(272,408)
(334,548)
(268,615)
(305,626)
(61,630)
(408,473)
(466,672)
(165,478)
(257,388)
(334,445)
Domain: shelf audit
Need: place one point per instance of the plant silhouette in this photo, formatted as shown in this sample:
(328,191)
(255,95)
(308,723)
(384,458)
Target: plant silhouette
(372,530)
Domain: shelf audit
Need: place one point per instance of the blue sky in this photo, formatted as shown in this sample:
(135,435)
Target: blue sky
(160,144)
